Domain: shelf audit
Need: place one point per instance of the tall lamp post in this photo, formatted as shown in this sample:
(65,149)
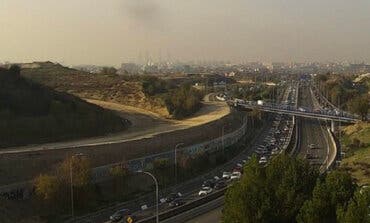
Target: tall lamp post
(71,178)
(156,193)
(179,144)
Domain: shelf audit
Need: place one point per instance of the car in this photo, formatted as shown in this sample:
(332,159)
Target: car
(120,215)
(173,196)
(209,183)
(263,160)
(219,185)
(235,176)
(205,191)
(226,175)
(238,169)
(176,203)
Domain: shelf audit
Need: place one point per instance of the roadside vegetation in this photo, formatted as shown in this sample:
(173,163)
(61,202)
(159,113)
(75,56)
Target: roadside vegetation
(31,113)
(351,92)
(51,201)
(356,145)
(290,190)
(254,92)
(181,102)
(345,93)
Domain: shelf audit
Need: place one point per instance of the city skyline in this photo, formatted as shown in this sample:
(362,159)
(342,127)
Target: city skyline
(117,31)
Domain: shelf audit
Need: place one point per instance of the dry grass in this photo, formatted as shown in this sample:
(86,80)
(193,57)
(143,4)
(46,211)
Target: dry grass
(358,160)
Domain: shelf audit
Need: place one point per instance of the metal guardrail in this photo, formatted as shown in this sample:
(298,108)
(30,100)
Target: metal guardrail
(193,204)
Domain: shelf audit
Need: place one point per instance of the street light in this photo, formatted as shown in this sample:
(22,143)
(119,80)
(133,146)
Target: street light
(156,193)
(71,178)
(179,144)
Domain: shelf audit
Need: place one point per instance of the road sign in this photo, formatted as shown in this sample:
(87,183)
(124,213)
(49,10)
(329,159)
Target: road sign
(129,219)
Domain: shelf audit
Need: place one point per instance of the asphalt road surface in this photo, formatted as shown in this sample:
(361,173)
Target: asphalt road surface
(210,217)
(313,132)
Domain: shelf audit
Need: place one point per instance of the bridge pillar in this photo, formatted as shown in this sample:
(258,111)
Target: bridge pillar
(332,126)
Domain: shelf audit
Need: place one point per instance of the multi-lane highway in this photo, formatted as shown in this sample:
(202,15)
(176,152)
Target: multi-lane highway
(191,188)
(315,144)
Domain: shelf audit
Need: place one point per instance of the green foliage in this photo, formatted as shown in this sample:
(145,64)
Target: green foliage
(120,177)
(153,85)
(358,210)
(339,89)
(330,195)
(52,190)
(183,101)
(108,71)
(30,113)
(360,105)
(164,171)
(270,194)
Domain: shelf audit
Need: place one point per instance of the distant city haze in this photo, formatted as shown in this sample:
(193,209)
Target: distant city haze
(109,32)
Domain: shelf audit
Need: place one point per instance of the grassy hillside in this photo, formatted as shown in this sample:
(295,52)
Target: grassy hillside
(356,143)
(31,113)
(113,88)
(163,97)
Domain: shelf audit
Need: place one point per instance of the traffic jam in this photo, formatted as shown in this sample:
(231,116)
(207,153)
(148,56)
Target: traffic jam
(269,144)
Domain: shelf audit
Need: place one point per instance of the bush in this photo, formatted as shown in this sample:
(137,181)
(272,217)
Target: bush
(184,101)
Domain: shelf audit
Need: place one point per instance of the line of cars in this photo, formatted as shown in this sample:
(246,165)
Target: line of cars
(276,140)
(233,172)
(217,183)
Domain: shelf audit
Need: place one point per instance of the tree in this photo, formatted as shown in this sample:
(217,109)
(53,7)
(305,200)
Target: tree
(329,196)
(108,71)
(358,209)
(270,194)
(360,106)
(119,174)
(46,187)
(15,70)
(52,189)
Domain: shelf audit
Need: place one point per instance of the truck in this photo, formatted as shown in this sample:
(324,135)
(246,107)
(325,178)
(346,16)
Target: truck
(260,102)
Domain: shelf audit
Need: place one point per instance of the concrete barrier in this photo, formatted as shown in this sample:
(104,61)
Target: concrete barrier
(336,146)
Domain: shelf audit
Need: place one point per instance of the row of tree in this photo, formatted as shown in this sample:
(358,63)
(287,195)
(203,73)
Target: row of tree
(290,190)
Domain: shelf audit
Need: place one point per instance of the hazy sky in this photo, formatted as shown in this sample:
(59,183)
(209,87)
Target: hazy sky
(112,31)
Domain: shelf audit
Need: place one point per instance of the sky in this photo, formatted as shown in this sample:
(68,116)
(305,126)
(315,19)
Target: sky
(109,32)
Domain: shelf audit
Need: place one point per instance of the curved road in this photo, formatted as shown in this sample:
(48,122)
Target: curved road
(313,132)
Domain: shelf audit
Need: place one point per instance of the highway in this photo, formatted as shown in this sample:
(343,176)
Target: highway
(315,143)
(190,188)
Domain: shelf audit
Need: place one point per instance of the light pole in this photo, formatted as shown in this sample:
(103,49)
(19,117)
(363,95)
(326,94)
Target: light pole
(71,178)
(179,144)
(156,193)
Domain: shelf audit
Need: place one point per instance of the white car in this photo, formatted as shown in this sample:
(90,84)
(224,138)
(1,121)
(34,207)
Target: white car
(205,191)
(235,176)
(226,175)
(262,160)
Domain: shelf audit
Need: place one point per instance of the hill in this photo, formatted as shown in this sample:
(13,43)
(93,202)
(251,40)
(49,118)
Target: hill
(127,90)
(31,113)
(357,147)
(167,98)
